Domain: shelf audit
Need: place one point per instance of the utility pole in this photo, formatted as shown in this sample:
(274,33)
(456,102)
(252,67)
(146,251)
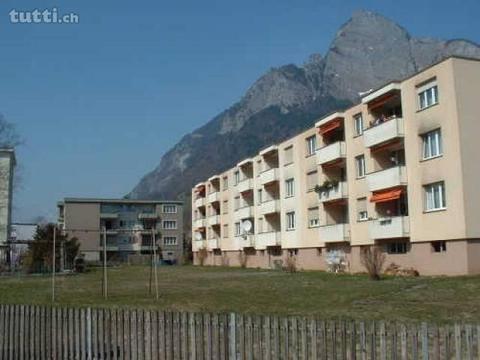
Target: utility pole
(154,247)
(62,255)
(53,262)
(105,285)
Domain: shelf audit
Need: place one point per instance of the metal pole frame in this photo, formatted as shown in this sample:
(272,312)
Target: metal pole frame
(54,262)
(154,248)
(105,281)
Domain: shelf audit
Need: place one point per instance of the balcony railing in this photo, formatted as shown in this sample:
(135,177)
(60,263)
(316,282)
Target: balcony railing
(334,233)
(269,176)
(200,202)
(214,220)
(214,197)
(244,212)
(199,223)
(108,215)
(213,244)
(245,185)
(335,193)
(147,216)
(129,247)
(389,228)
(265,239)
(269,207)
(330,153)
(385,179)
(384,132)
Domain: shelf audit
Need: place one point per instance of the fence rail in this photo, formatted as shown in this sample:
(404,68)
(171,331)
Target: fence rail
(38,332)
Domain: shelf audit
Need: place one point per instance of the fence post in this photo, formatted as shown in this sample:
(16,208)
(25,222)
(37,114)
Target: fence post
(424,341)
(458,342)
(383,342)
(88,326)
(232,340)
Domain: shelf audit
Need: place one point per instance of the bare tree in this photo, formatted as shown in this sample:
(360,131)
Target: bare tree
(372,258)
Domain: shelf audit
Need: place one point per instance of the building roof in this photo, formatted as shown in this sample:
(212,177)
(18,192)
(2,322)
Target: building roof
(10,152)
(117,201)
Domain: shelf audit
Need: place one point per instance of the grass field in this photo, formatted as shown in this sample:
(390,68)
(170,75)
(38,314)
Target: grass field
(217,289)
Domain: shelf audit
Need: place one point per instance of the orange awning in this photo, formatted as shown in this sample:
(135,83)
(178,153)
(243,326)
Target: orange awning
(386,195)
(330,126)
(385,146)
(381,101)
(200,189)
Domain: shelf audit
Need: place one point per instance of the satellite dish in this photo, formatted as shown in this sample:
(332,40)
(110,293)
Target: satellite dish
(247,226)
(198,236)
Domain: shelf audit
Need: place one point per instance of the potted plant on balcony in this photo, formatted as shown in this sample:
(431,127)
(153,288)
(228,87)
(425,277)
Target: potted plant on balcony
(326,186)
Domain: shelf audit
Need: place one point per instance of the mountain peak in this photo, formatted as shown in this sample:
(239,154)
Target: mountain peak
(368,51)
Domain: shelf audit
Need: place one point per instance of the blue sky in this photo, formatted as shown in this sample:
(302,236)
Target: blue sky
(97,103)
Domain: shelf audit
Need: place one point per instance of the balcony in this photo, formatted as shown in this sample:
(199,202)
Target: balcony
(199,223)
(265,239)
(129,247)
(334,233)
(244,212)
(213,244)
(385,179)
(108,216)
(389,228)
(200,202)
(245,185)
(269,176)
(214,220)
(214,197)
(269,207)
(387,131)
(331,153)
(147,216)
(336,193)
(247,241)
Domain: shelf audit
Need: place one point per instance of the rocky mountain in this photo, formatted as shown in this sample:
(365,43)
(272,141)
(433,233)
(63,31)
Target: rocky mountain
(368,51)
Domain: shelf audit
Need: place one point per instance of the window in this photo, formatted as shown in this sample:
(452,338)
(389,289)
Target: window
(291,220)
(311,180)
(358,123)
(435,196)
(362,213)
(313,217)
(439,246)
(170,209)
(225,183)
(289,188)
(259,167)
(427,95)
(170,240)
(238,229)
(170,224)
(237,177)
(259,196)
(397,248)
(311,145)
(360,164)
(225,206)
(432,144)
(236,202)
(288,154)
(225,231)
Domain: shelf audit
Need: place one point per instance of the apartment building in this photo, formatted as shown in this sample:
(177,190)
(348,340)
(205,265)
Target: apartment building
(130,227)
(398,170)
(7,169)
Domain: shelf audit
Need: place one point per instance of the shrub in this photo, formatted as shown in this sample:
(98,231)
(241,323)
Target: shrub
(202,256)
(372,258)
(290,264)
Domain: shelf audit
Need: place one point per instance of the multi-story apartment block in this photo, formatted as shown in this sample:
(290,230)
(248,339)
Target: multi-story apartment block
(398,170)
(129,226)
(7,167)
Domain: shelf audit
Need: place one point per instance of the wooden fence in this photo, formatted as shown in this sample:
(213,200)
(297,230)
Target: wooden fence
(37,332)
